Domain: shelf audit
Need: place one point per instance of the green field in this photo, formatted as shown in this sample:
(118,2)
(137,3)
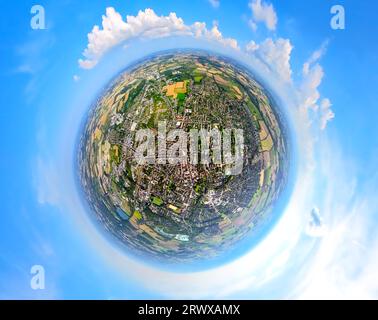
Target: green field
(157,201)
(197,79)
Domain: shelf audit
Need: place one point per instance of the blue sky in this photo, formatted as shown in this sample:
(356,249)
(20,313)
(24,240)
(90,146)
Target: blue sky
(42,107)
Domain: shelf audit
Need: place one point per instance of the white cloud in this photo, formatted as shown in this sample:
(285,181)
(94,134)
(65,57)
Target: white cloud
(214,3)
(262,12)
(76,78)
(311,79)
(251,46)
(145,25)
(200,31)
(317,54)
(312,75)
(275,55)
(88,63)
(326,114)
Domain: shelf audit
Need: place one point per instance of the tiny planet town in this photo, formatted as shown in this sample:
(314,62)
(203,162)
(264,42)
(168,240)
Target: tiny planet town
(182,156)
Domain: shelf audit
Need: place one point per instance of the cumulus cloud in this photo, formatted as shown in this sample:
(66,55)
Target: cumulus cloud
(145,25)
(275,55)
(251,46)
(214,3)
(264,13)
(200,31)
(310,98)
(311,79)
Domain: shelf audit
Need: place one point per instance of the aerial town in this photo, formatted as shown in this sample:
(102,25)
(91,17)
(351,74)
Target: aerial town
(182,211)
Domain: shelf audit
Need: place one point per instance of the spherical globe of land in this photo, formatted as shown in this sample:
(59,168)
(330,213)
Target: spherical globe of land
(182,156)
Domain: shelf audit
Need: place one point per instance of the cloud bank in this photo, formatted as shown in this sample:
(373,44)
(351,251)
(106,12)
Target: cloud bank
(145,25)
(273,54)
